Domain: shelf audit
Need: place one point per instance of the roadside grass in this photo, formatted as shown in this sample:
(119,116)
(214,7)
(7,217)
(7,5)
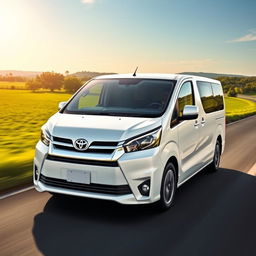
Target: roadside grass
(12,85)
(22,113)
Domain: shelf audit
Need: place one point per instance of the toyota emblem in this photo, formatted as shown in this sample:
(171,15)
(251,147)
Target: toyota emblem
(81,144)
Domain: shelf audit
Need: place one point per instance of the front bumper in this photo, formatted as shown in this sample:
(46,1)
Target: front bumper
(131,170)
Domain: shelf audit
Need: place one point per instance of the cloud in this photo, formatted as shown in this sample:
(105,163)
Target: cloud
(247,38)
(87,1)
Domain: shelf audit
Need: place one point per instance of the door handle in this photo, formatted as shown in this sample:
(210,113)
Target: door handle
(196,123)
(203,121)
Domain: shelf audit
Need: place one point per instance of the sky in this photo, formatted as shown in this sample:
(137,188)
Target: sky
(159,36)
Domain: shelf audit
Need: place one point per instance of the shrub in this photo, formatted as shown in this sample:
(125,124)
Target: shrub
(72,84)
(33,84)
(51,80)
(232,93)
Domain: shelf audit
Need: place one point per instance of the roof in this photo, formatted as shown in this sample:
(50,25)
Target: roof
(156,76)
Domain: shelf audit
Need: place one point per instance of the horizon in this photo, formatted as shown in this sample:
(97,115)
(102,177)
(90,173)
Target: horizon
(114,36)
(101,72)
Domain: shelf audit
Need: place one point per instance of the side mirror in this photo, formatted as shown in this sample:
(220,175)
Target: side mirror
(189,113)
(62,105)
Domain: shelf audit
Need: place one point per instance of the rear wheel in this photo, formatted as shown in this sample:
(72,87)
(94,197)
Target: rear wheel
(214,166)
(56,194)
(168,187)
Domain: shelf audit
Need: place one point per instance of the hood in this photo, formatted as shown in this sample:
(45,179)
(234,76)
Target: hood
(99,128)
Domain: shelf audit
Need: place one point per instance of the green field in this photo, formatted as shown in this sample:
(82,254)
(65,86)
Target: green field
(237,108)
(22,113)
(12,85)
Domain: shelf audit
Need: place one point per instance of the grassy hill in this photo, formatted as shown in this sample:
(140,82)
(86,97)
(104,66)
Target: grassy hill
(85,75)
(210,75)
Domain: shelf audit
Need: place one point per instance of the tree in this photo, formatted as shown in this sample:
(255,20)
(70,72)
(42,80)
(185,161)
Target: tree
(86,78)
(238,90)
(232,93)
(34,84)
(51,80)
(72,83)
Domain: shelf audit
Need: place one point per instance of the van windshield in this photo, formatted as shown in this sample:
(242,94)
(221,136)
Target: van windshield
(122,97)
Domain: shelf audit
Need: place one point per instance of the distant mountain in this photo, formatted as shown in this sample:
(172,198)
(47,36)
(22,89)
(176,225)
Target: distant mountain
(83,74)
(89,74)
(210,75)
(28,74)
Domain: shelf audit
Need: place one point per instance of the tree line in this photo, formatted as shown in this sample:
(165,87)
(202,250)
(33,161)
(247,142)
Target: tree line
(11,78)
(54,81)
(238,85)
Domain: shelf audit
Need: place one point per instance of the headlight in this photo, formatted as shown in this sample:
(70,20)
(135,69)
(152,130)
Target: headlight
(146,141)
(45,136)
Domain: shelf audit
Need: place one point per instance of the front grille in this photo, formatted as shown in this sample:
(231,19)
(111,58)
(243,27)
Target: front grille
(82,161)
(89,150)
(96,188)
(102,147)
(104,143)
(58,139)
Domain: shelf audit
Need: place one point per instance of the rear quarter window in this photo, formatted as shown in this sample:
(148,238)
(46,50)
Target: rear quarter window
(211,96)
(218,96)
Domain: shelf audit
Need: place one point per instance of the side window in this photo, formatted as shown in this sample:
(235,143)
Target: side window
(185,97)
(218,96)
(206,95)
(211,96)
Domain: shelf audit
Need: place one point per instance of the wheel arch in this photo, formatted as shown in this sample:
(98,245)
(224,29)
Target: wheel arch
(174,161)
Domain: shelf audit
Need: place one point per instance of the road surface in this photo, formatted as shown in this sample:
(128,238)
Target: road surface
(247,97)
(214,214)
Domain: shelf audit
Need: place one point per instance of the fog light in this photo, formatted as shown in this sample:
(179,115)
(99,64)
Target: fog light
(144,188)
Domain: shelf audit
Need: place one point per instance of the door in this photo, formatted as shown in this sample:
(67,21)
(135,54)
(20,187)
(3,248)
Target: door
(207,122)
(210,103)
(187,131)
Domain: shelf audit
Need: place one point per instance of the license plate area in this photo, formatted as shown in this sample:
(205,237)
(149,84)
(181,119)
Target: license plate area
(77,176)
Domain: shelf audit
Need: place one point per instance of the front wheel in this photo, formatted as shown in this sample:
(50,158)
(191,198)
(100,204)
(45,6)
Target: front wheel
(168,187)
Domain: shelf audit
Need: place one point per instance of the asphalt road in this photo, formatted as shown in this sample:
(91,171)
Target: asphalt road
(214,214)
(247,97)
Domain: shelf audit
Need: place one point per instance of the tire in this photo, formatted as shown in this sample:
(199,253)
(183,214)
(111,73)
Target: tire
(214,165)
(168,187)
(56,194)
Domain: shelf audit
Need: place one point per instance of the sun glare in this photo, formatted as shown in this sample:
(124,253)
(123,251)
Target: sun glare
(8,27)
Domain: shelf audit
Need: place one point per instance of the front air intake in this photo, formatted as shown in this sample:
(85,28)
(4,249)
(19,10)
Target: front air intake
(96,188)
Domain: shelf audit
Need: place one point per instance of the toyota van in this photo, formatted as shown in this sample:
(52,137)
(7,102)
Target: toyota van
(133,139)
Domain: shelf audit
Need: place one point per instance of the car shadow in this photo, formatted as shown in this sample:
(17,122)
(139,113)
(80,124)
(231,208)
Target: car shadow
(213,214)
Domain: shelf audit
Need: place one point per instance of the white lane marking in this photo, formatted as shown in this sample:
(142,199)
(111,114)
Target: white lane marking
(252,171)
(16,192)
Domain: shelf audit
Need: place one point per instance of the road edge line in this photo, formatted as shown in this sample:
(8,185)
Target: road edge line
(16,192)
(243,119)
(252,171)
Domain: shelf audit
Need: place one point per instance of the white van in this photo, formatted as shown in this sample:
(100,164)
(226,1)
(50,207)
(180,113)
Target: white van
(132,139)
